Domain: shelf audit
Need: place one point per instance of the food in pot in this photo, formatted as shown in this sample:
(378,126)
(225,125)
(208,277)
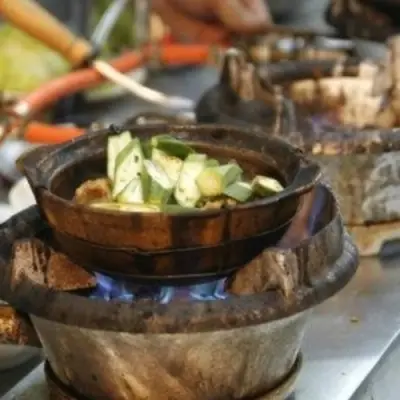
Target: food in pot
(167,174)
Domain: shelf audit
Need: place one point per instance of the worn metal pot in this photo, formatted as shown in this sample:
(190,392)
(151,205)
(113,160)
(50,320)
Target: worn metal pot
(239,347)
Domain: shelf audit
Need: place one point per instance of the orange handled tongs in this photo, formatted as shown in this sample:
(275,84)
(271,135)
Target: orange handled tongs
(33,19)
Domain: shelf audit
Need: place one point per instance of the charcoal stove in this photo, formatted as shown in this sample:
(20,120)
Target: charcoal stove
(360,162)
(93,344)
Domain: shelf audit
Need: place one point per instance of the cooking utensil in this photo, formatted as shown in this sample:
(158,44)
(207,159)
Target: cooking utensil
(107,22)
(29,106)
(146,234)
(33,19)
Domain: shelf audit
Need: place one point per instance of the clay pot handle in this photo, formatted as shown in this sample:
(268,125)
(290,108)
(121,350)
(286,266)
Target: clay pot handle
(31,18)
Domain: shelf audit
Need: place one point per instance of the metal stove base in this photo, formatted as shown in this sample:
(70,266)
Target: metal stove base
(349,343)
(59,391)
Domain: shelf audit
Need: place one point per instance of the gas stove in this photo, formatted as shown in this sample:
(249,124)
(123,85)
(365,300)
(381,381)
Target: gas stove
(94,329)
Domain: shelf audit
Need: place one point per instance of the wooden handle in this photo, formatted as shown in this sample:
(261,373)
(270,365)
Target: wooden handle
(31,18)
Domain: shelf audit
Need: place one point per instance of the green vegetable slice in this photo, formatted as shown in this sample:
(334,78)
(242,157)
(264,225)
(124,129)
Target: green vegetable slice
(115,145)
(171,165)
(129,166)
(239,191)
(171,146)
(212,162)
(161,187)
(213,181)
(187,193)
(265,186)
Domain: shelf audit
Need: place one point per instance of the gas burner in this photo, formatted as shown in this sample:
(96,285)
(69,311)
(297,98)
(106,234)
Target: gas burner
(94,345)
(109,288)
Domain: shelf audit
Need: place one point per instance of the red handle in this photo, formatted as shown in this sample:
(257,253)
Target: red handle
(37,132)
(48,94)
(88,78)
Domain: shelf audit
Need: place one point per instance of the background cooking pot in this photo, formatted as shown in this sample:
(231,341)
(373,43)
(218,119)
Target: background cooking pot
(361,164)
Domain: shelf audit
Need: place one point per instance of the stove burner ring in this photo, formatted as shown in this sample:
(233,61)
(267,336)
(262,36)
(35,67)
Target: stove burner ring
(59,391)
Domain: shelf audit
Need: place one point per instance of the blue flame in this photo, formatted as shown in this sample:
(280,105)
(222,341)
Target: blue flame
(110,289)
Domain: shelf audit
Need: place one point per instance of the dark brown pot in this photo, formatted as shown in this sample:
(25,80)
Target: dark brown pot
(181,266)
(54,174)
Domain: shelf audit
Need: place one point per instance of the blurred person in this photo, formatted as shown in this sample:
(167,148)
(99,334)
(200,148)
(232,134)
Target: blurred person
(212,20)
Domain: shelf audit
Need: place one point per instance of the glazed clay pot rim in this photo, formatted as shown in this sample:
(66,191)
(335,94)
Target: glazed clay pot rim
(348,140)
(179,317)
(303,163)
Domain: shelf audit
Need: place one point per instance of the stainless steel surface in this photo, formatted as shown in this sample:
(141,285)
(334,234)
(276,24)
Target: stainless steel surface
(12,377)
(14,356)
(347,346)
